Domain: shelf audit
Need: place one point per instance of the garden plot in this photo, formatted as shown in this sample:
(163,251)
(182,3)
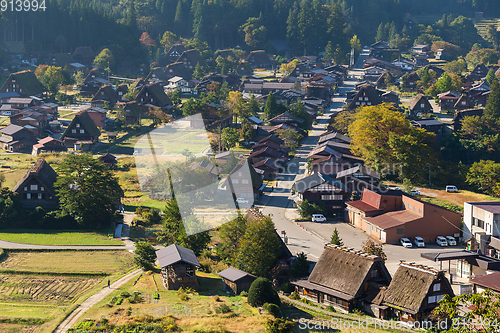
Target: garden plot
(46,289)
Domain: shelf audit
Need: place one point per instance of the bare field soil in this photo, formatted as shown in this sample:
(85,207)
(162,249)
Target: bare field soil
(44,289)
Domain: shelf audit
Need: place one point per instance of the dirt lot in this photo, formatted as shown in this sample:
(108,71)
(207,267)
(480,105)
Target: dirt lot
(456,198)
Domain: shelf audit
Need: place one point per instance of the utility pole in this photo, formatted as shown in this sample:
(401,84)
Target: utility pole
(430,173)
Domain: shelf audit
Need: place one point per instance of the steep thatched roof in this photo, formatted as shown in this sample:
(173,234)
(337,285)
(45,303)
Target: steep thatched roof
(87,123)
(344,270)
(411,284)
(42,171)
(27,81)
(419,99)
(365,90)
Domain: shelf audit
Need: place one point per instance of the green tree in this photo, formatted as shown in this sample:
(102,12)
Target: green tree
(336,240)
(490,76)
(79,77)
(168,39)
(236,104)
(262,291)
(230,235)
(87,190)
(271,108)
(356,45)
(492,108)
(258,248)
(371,247)
(290,137)
(485,176)
(254,31)
(246,130)
(10,207)
(52,78)
(300,266)
(198,72)
(145,256)
(483,306)
(105,58)
(230,137)
(174,231)
(279,325)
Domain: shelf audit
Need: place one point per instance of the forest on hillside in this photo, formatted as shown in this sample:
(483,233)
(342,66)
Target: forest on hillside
(308,26)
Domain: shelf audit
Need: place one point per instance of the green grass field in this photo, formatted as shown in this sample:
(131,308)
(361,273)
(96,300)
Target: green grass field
(68,262)
(51,237)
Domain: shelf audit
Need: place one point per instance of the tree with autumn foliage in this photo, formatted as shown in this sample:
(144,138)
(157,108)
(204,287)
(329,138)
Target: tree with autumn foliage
(236,103)
(146,40)
(375,249)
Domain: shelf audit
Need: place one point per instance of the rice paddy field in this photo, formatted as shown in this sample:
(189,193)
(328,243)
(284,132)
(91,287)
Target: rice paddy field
(38,289)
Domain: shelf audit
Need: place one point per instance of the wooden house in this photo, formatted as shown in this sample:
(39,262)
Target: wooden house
(106,94)
(157,75)
(483,282)
(267,152)
(84,55)
(286,118)
(235,280)
(367,95)
(108,159)
(358,178)
(240,181)
(132,113)
(415,291)
(259,59)
(430,125)
(153,95)
(24,83)
(269,167)
(479,72)
(178,69)
(190,58)
(81,132)
(172,54)
(318,187)
(178,267)
(447,100)
(419,105)
(346,279)
(36,188)
(15,138)
(463,103)
(48,144)
(244,69)
(411,81)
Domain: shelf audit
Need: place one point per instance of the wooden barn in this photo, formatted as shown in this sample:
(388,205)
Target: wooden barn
(235,280)
(178,267)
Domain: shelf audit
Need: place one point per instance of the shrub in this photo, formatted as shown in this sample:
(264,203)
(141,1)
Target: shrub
(125,294)
(279,325)
(136,298)
(287,287)
(272,309)
(330,308)
(262,291)
(129,311)
(244,293)
(294,296)
(223,308)
(217,298)
(183,297)
(119,301)
(156,295)
(306,301)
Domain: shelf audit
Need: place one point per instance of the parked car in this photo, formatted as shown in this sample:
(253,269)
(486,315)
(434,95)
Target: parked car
(318,218)
(414,192)
(419,242)
(241,201)
(406,242)
(451,241)
(451,189)
(441,241)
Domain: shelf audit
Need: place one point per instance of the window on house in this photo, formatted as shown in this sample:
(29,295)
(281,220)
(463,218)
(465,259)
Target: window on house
(235,181)
(463,103)
(422,105)
(409,206)
(436,287)
(73,131)
(28,196)
(244,181)
(42,188)
(439,297)
(369,103)
(420,211)
(34,187)
(25,188)
(431,299)
(77,125)
(331,197)
(400,231)
(373,273)
(82,131)
(374,228)
(39,196)
(415,208)
(147,94)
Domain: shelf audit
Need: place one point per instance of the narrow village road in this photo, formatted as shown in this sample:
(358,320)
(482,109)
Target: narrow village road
(279,201)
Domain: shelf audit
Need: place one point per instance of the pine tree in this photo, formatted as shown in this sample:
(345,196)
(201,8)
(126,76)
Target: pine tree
(336,240)
(198,72)
(271,107)
(292,31)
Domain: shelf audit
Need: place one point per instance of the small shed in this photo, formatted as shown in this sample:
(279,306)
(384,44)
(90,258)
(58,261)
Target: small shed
(235,280)
(178,266)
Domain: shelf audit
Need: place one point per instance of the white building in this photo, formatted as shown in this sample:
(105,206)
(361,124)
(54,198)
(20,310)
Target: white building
(482,223)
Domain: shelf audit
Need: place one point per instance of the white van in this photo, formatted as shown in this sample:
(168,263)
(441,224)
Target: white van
(451,241)
(318,218)
(441,241)
(451,189)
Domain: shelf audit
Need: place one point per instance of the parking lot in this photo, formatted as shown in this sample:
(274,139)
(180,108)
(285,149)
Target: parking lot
(353,237)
